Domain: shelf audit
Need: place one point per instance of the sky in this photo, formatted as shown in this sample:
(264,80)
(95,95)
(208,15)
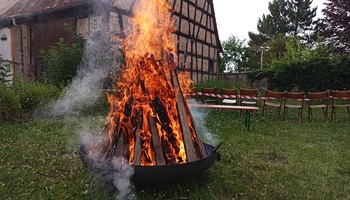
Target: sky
(237,17)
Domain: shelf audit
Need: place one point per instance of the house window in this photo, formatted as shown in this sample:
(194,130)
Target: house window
(4,37)
(211,67)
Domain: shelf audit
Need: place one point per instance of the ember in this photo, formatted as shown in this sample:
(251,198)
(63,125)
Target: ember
(149,123)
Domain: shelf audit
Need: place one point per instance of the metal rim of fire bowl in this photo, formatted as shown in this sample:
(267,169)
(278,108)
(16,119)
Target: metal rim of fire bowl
(154,174)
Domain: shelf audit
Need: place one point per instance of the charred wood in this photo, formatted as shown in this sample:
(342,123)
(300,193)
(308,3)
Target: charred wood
(162,115)
(103,143)
(187,136)
(128,108)
(138,145)
(156,141)
(119,149)
(169,156)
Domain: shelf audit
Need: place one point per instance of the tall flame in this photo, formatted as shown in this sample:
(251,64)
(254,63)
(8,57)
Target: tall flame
(149,31)
(150,50)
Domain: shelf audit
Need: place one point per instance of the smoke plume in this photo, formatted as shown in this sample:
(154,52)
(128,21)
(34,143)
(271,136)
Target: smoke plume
(199,116)
(86,88)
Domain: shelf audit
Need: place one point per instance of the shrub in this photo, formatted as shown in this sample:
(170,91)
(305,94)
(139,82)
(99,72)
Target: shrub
(10,106)
(5,70)
(313,74)
(219,84)
(20,99)
(32,94)
(61,63)
(306,67)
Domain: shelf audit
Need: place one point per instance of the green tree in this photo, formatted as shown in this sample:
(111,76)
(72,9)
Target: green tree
(233,53)
(237,57)
(274,49)
(295,51)
(286,18)
(302,17)
(335,26)
(250,60)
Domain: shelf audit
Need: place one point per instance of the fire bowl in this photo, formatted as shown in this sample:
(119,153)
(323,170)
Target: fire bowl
(154,174)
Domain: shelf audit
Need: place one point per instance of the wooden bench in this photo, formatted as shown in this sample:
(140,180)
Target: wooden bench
(248,110)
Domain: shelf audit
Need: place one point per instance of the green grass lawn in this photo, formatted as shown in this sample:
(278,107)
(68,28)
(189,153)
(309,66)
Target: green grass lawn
(274,160)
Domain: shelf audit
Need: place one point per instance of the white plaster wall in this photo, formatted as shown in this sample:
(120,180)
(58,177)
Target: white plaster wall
(5,46)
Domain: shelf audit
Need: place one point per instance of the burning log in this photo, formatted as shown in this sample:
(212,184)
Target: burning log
(138,145)
(102,146)
(118,147)
(169,142)
(191,154)
(155,140)
(162,115)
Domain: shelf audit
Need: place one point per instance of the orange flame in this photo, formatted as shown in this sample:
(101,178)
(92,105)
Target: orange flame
(150,50)
(185,82)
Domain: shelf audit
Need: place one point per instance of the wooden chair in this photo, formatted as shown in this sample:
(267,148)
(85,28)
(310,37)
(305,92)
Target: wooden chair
(318,100)
(340,99)
(248,97)
(232,96)
(293,100)
(206,98)
(273,99)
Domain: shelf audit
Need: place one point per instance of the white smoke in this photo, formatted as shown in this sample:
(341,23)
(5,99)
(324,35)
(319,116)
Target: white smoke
(122,179)
(199,116)
(86,88)
(126,5)
(83,92)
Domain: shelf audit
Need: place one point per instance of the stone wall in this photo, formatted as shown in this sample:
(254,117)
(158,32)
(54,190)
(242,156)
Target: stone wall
(243,77)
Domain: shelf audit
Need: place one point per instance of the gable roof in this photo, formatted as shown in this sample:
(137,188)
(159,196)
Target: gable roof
(7,5)
(15,8)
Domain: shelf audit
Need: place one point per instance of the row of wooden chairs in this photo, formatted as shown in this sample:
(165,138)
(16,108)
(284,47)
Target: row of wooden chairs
(248,93)
(314,100)
(285,100)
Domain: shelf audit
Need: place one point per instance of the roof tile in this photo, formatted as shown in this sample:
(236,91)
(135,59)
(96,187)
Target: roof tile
(26,7)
